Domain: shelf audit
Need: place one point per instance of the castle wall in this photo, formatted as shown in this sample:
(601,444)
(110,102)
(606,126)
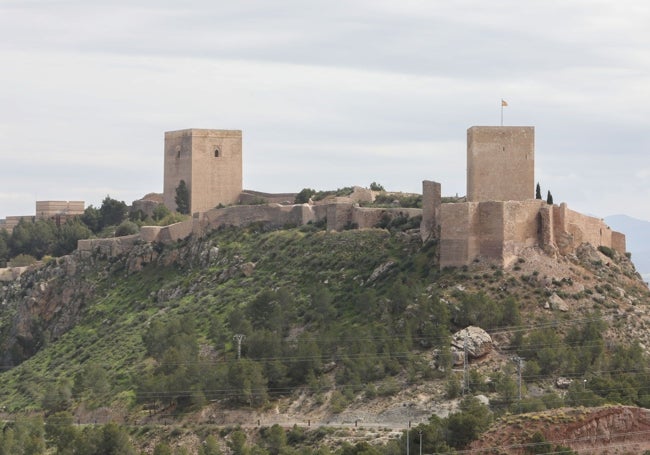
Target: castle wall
(522,227)
(210,162)
(500,163)
(338,216)
(368,217)
(490,228)
(48,209)
(618,242)
(459,241)
(574,228)
(12,221)
(109,247)
(242,215)
(252,197)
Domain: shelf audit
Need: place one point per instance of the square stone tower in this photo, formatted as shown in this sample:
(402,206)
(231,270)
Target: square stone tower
(210,162)
(500,163)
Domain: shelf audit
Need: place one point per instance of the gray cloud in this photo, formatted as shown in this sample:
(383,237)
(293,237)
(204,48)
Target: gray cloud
(327,93)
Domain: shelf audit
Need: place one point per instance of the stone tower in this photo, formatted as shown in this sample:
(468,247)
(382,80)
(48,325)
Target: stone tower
(500,163)
(210,162)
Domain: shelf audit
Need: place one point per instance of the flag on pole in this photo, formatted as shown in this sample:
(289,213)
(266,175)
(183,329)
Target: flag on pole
(503,102)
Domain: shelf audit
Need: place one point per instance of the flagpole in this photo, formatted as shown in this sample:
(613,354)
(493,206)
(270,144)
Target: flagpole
(501,111)
(503,104)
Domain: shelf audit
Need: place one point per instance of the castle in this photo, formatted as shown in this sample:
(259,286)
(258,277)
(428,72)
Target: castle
(499,218)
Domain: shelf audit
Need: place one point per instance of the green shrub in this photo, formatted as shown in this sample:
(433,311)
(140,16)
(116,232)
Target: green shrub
(22,260)
(126,228)
(607,251)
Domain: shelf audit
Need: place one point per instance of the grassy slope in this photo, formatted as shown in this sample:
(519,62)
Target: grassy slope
(110,331)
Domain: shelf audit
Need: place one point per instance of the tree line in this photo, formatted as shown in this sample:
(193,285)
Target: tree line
(32,240)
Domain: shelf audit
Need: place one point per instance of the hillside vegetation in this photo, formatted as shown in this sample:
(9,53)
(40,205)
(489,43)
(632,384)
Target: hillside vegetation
(335,328)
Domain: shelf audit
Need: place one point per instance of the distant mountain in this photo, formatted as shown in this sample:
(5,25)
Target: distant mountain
(637,233)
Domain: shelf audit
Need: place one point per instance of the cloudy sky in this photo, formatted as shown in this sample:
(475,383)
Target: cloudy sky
(328,94)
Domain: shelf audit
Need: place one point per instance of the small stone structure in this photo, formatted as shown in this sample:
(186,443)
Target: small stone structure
(58,211)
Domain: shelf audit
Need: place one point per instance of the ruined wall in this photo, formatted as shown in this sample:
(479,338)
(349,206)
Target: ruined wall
(210,162)
(500,163)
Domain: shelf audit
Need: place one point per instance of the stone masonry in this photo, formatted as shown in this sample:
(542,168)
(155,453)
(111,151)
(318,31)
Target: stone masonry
(500,163)
(498,221)
(210,163)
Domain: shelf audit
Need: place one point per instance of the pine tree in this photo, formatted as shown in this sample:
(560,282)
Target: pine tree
(549,198)
(182,198)
(538,192)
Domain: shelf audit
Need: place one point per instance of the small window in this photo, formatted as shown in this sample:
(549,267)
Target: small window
(217,152)
(178,151)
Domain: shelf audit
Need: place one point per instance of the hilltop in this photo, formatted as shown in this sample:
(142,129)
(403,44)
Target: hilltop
(346,329)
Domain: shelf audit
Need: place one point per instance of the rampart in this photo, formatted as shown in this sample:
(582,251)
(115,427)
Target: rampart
(497,231)
(338,216)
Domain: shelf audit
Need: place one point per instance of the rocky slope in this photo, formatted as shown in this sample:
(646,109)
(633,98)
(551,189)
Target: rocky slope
(69,297)
(606,430)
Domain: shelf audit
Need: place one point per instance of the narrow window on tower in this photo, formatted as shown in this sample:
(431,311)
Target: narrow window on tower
(217,152)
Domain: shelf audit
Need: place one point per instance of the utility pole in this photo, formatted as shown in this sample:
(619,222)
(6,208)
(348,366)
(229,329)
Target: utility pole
(408,441)
(519,361)
(420,433)
(238,338)
(465,368)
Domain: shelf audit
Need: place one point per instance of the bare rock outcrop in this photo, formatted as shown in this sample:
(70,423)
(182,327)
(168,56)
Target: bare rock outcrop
(476,340)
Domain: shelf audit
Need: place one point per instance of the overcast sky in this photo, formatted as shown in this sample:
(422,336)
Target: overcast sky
(327,93)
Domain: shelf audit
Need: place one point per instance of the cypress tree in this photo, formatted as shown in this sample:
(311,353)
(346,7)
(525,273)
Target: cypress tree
(538,192)
(549,198)
(182,198)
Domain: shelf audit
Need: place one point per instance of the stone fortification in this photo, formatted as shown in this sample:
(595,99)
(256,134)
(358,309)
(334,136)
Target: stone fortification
(254,197)
(46,210)
(210,163)
(497,222)
(338,217)
(497,231)
(500,163)
(59,211)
